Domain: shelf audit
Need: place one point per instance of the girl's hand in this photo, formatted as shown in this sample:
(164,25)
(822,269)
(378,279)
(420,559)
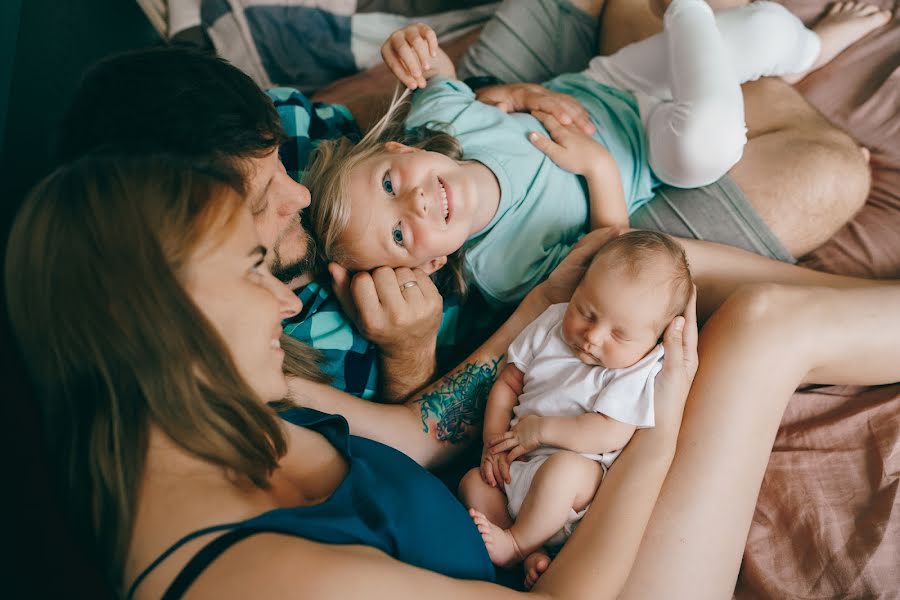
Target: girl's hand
(411,53)
(570,148)
(520,440)
(531,97)
(679,366)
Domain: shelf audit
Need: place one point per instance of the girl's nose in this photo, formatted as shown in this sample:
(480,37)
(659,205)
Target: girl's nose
(417,202)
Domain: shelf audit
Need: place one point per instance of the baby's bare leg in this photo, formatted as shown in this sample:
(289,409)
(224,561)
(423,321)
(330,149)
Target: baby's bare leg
(566,481)
(488,500)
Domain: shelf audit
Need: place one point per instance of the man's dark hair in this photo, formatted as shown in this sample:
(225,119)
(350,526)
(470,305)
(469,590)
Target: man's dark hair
(169,100)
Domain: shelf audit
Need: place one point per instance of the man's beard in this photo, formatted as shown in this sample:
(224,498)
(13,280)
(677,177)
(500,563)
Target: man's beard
(287,272)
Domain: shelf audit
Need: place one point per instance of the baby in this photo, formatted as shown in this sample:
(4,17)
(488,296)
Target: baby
(578,381)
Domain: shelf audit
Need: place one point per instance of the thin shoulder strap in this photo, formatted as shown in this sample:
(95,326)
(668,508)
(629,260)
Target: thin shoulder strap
(202,559)
(170,550)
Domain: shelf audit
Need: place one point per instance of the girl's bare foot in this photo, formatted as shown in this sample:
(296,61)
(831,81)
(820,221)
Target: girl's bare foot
(535,565)
(500,543)
(844,24)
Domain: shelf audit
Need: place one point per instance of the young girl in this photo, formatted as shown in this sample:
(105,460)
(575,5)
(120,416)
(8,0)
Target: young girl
(578,382)
(494,194)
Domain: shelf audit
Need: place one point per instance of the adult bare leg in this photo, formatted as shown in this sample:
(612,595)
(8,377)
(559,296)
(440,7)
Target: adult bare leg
(719,271)
(803,176)
(762,343)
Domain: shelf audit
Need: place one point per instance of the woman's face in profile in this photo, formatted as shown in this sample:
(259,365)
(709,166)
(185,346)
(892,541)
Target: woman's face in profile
(228,280)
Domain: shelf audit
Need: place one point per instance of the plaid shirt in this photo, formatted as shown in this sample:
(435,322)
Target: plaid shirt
(350,359)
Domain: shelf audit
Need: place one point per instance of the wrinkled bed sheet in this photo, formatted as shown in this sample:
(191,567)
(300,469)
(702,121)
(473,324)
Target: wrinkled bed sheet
(827,524)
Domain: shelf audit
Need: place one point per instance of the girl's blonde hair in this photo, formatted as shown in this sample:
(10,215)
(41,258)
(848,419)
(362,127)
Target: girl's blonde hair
(328,180)
(114,342)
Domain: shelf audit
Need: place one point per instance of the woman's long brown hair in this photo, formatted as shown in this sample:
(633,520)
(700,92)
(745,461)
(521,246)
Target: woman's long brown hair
(114,343)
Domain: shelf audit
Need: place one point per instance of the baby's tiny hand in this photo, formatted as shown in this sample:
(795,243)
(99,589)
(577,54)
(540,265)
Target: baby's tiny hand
(410,52)
(520,440)
(571,148)
(494,469)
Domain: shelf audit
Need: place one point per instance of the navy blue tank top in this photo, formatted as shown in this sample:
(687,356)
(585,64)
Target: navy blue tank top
(386,501)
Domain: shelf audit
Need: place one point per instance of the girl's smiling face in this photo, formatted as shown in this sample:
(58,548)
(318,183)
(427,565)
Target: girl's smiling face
(411,208)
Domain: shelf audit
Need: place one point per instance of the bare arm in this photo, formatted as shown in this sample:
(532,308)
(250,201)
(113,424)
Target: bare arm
(593,433)
(445,417)
(577,152)
(503,398)
(405,372)
(606,194)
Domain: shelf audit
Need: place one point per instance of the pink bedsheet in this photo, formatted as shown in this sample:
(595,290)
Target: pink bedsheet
(827,523)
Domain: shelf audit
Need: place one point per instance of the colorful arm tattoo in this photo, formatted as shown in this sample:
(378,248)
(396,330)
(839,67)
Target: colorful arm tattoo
(455,407)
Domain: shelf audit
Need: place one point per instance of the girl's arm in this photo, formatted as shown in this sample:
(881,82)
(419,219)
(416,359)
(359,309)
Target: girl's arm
(438,422)
(414,56)
(579,153)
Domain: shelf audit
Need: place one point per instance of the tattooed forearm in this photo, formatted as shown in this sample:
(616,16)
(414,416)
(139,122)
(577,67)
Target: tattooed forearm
(455,407)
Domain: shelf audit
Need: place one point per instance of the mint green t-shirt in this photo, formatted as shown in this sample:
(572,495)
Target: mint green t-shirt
(543,209)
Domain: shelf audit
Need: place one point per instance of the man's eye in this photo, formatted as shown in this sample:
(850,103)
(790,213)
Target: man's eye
(386,183)
(397,235)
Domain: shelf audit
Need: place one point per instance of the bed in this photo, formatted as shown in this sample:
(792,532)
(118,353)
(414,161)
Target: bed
(827,523)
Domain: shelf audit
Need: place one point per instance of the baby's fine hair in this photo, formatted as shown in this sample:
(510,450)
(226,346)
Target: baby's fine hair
(328,180)
(633,250)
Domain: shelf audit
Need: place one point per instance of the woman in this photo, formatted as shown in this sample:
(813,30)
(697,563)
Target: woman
(156,355)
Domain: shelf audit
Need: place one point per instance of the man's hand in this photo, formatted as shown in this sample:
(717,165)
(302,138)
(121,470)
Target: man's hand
(413,55)
(400,311)
(531,97)
(519,440)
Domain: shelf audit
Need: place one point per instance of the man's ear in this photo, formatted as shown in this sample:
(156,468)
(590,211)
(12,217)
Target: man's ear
(398,148)
(433,265)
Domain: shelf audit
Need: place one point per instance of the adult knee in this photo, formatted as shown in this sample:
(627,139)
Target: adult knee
(844,171)
(760,306)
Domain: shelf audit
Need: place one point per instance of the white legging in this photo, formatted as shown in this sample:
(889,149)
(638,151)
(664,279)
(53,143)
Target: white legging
(687,81)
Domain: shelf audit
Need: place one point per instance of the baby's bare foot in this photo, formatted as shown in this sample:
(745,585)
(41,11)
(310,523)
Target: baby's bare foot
(500,544)
(844,24)
(535,565)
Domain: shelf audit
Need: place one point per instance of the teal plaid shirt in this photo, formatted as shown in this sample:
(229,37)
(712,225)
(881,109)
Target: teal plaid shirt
(349,358)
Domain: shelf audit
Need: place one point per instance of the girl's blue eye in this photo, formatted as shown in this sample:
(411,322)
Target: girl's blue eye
(386,183)
(397,235)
